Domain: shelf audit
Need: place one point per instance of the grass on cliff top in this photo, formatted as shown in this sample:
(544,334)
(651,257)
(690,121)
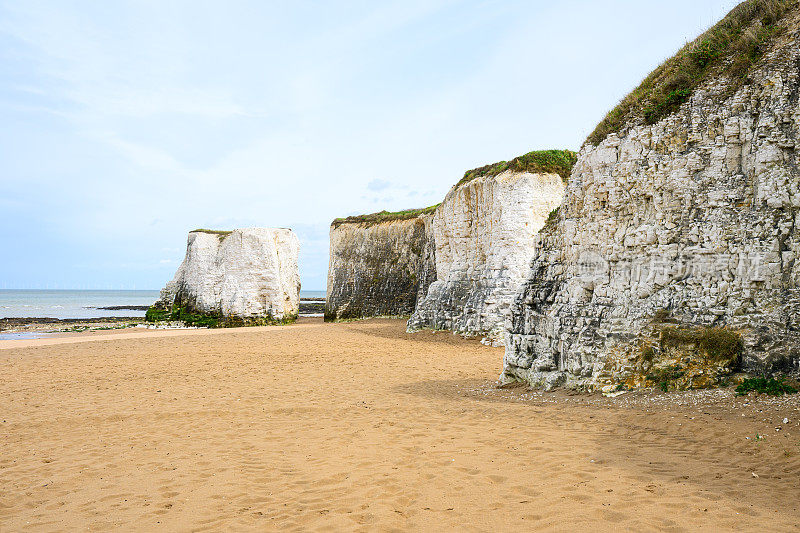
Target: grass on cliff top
(211,231)
(384,216)
(538,162)
(219,233)
(730,48)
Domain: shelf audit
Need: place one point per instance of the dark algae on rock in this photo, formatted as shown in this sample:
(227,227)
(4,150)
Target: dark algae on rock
(379,264)
(211,320)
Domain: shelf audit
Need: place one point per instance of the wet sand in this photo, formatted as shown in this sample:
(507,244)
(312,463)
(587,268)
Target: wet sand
(360,426)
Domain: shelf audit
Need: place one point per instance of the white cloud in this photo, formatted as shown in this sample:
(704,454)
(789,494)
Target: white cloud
(378,185)
(143,120)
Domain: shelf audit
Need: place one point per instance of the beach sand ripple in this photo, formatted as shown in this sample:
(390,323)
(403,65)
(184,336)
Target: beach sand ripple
(358,426)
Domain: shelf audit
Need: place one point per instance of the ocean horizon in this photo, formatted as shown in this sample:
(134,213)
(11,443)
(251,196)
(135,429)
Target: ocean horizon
(67,303)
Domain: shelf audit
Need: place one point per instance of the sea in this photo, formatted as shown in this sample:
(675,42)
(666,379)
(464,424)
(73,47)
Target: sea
(31,303)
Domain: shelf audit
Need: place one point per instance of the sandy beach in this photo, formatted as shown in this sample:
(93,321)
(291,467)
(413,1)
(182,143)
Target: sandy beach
(360,426)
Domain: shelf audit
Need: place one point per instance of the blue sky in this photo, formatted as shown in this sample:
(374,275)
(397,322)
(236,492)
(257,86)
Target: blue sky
(127,124)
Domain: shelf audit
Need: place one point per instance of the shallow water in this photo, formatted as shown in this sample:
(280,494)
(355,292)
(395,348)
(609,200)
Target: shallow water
(21,336)
(71,304)
(25,303)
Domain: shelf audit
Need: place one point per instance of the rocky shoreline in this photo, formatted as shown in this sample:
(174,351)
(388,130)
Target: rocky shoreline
(59,325)
(122,308)
(309,307)
(312,306)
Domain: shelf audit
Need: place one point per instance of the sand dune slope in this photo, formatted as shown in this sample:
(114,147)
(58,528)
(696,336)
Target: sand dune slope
(357,427)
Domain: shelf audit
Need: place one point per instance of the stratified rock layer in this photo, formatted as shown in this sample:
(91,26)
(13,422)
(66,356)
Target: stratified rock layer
(485,235)
(244,274)
(693,218)
(377,268)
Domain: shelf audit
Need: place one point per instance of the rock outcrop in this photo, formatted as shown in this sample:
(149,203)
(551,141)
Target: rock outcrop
(485,235)
(247,276)
(677,242)
(379,264)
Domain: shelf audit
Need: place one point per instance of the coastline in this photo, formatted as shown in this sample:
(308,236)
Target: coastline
(310,307)
(43,324)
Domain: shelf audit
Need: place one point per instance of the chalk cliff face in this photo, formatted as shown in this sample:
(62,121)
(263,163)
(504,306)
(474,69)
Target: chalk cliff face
(378,266)
(691,221)
(249,274)
(484,234)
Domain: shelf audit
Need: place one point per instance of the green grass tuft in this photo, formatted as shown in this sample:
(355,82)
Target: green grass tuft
(763,385)
(552,218)
(384,216)
(721,344)
(219,233)
(538,162)
(731,48)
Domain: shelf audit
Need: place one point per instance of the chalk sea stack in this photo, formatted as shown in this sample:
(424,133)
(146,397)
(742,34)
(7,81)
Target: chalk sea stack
(240,277)
(673,258)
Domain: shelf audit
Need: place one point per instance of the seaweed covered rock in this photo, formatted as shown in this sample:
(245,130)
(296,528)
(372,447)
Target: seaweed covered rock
(684,202)
(244,276)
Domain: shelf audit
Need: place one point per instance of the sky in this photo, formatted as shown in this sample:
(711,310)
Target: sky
(128,124)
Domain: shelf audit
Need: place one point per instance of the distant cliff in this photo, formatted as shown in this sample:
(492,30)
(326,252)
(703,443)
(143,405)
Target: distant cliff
(484,234)
(457,265)
(245,276)
(378,264)
(673,259)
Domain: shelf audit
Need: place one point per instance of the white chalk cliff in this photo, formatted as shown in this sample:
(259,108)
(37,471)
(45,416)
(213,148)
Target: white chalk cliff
(485,235)
(692,218)
(248,274)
